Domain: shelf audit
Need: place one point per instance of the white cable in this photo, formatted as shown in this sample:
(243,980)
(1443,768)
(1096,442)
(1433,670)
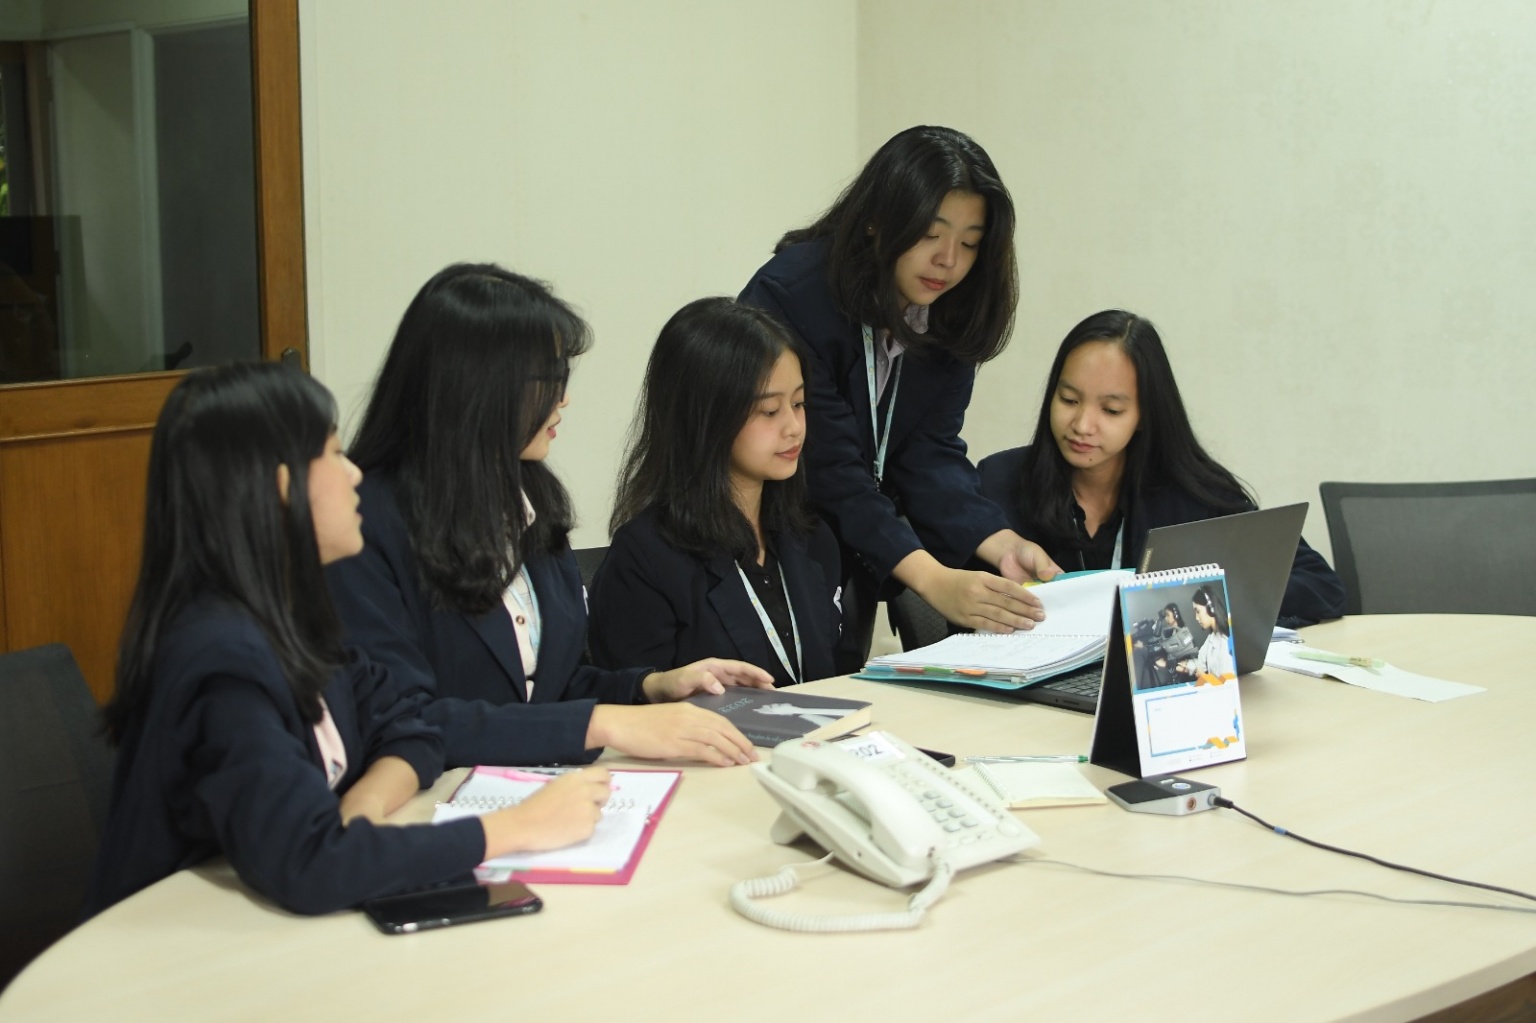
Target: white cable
(785,880)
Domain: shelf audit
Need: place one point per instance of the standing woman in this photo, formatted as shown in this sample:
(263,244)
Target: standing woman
(243,726)
(912,264)
(715,548)
(467,587)
(1114,456)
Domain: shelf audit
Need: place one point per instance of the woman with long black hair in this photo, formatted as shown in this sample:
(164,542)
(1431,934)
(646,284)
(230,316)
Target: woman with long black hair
(1114,456)
(245,727)
(912,264)
(715,547)
(467,587)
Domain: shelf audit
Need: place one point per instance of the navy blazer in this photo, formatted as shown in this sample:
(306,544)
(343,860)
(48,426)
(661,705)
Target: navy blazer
(652,602)
(1314,593)
(220,761)
(469,666)
(926,467)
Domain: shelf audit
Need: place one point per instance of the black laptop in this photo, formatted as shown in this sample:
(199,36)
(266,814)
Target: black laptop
(1256,550)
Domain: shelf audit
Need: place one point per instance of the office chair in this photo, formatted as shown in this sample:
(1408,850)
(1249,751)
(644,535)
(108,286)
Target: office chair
(588,559)
(1458,548)
(915,621)
(55,780)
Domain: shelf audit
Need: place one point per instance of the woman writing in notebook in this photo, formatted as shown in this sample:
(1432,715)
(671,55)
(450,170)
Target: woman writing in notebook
(714,545)
(467,589)
(245,728)
(1114,456)
(912,264)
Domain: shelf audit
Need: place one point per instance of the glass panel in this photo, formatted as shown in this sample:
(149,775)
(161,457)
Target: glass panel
(128,232)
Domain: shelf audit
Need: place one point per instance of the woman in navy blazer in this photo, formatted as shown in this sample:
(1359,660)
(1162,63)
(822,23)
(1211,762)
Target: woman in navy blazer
(912,264)
(467,588)
(714,548)
(1115,457)
(244,726)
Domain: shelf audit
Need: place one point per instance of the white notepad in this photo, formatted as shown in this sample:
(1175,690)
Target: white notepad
(1038,783)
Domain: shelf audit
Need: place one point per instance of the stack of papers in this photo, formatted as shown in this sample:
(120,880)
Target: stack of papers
(1386,679)
(1075,633)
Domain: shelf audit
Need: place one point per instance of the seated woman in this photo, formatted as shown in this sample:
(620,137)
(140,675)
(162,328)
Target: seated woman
(714,545)
(467,588)
(1114,456)
(244,727)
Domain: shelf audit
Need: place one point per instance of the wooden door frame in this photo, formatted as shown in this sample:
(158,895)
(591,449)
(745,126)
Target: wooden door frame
(52,411)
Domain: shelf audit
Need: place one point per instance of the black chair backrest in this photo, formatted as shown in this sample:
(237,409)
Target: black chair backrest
(55,781)
(1457,548)
(915,620)
(587,560)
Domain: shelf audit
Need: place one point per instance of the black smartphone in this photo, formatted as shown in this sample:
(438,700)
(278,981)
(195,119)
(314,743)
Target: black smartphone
(944,759)
(453,904)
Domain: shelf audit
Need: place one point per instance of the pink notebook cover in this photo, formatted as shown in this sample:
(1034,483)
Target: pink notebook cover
(550,875)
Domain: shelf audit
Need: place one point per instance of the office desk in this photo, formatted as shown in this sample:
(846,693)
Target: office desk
(1441,786)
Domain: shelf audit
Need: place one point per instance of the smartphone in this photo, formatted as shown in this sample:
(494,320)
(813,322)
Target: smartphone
(445,906)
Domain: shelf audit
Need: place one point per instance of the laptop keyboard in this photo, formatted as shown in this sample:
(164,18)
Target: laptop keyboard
(1084,682)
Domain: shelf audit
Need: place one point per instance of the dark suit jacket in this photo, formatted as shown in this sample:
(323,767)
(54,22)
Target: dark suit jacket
(469,666)
(220,761)
(926,467)
(656,604)
(1314,593)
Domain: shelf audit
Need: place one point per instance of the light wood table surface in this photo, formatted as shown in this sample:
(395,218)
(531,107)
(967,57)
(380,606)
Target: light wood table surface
(1446,787)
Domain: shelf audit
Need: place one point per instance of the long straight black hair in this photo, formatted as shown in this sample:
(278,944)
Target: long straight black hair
(1163,451)
(702,382)
(478,364)
(888,209)
(217,528)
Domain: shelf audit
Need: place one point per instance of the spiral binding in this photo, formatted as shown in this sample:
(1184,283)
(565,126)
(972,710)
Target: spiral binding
(1152,580)
(614,805)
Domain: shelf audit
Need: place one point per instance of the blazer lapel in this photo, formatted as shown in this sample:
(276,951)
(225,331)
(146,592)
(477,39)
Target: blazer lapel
(495,629)
(728,597)
(563,624)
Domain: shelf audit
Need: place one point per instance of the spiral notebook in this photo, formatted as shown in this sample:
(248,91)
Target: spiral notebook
(1075,633)
(608,857)
(1170,698)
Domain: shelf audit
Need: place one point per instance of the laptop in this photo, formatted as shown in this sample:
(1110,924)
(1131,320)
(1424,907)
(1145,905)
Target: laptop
(1255,549)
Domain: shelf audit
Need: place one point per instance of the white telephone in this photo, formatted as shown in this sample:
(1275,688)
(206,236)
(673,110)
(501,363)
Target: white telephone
(886,810)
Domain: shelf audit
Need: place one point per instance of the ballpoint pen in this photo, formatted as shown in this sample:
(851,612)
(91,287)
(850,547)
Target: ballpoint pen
(1066,758)
(1370,663)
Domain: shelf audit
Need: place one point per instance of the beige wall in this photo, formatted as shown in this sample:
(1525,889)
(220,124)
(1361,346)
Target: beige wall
(1324,206)
(635,155)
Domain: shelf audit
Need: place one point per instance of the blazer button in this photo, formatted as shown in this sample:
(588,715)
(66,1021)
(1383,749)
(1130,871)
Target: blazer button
(521,620)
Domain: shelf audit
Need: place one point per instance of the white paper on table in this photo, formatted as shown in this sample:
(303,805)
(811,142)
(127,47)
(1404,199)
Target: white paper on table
(1389,679)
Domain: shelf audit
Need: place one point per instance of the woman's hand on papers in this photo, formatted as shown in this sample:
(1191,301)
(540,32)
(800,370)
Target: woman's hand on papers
(564,811)
(975,600)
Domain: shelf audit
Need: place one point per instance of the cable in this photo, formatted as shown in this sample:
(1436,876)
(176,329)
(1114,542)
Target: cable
(743,894)
(1185,879)
(1227,803)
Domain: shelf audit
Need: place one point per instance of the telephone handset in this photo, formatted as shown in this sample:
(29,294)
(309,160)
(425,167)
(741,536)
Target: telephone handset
(886,809)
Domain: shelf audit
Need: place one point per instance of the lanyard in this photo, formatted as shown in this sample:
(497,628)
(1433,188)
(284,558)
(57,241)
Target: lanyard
(1114,559)
(881,439)
(773,634)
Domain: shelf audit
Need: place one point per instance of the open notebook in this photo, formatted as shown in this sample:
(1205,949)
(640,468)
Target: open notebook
(1075,633)
(608,857)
